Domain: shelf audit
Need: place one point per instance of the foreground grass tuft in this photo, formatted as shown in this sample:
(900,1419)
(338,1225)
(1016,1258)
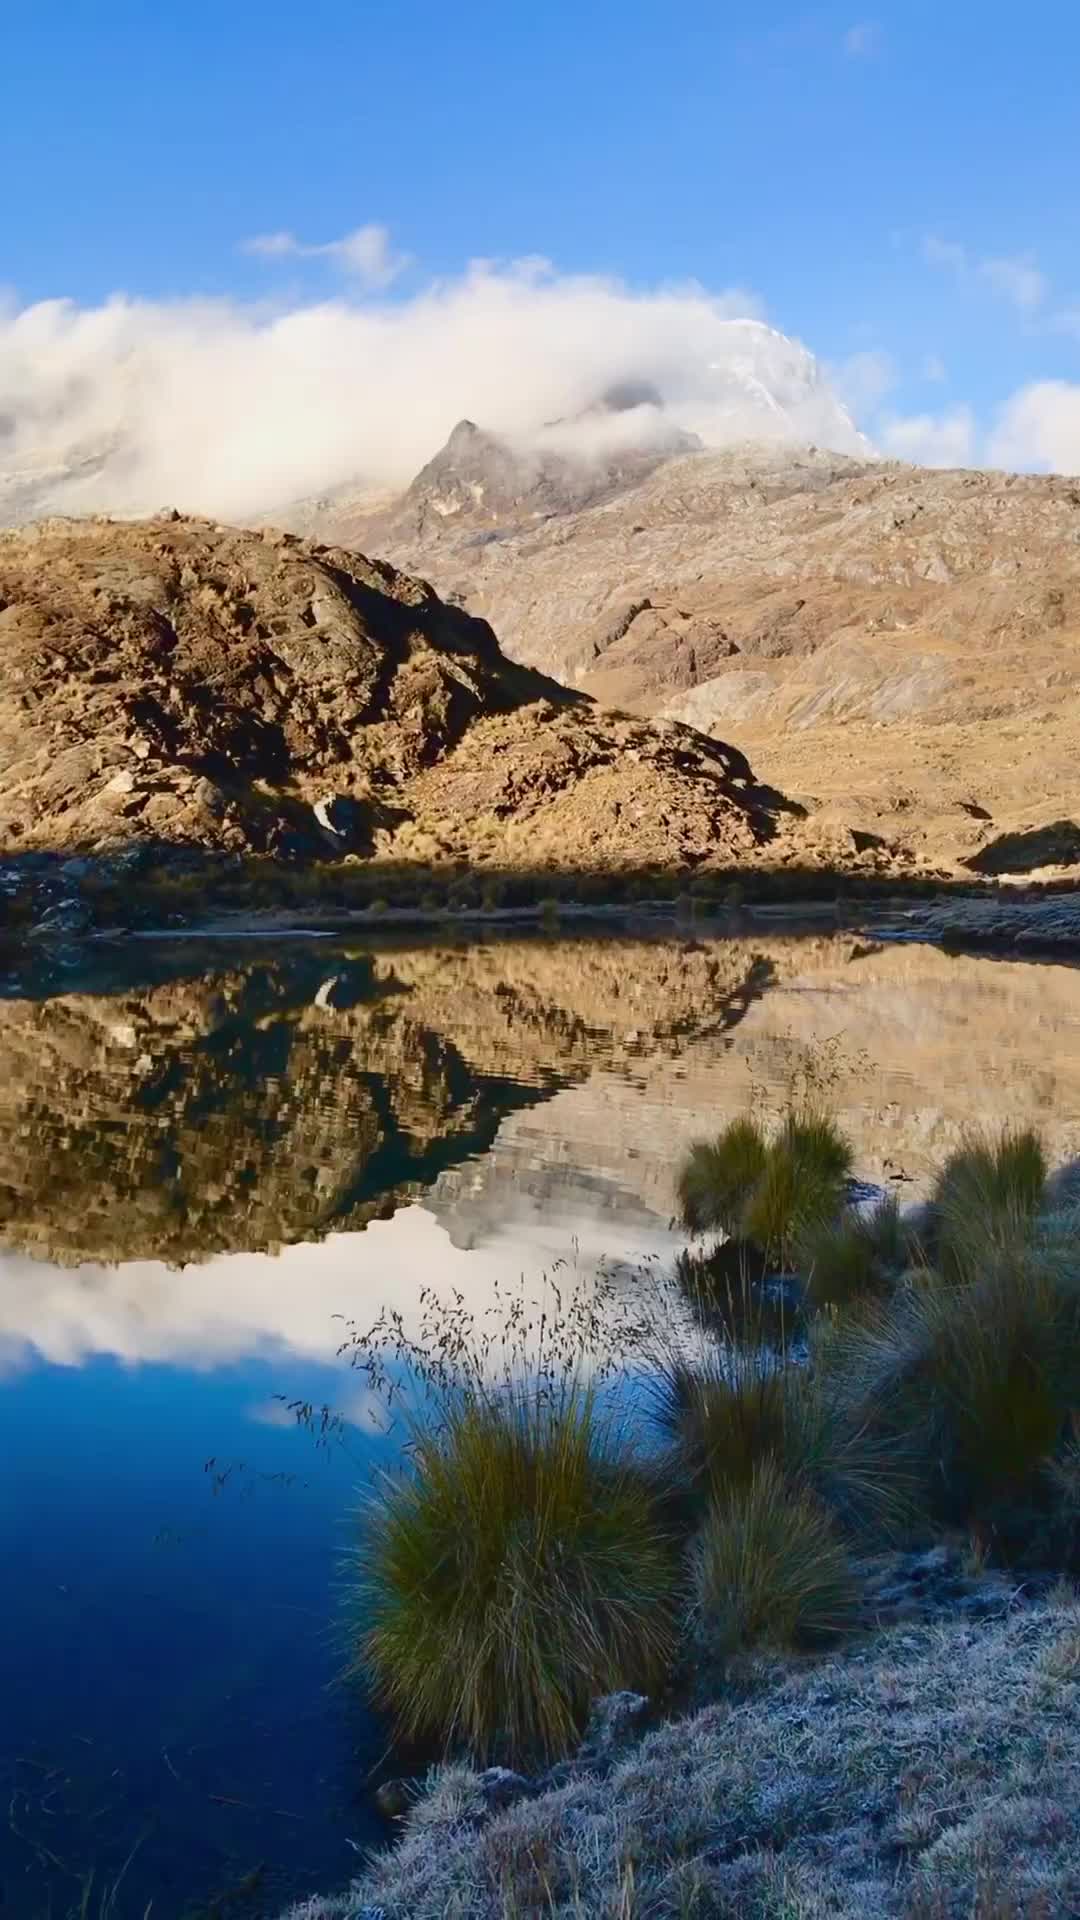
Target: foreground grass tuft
(769,1568)
(723,1416)
(980,1383)
(726,1415)
(516,1570)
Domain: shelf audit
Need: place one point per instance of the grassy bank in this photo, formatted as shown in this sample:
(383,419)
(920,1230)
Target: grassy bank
(929,1772)
(835,1389)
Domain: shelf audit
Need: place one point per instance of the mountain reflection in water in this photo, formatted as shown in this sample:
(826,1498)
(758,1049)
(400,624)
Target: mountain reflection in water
(213,1158)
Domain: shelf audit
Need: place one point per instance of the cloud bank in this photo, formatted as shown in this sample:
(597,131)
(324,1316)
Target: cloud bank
(365,253)
(931,439)
(229,408)
(1040,426)
(235,408)
(1016,278)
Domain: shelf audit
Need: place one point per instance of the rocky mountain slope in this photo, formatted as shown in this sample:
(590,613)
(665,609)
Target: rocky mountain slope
(175,683)
(488,484)
(730,567)
(888,641)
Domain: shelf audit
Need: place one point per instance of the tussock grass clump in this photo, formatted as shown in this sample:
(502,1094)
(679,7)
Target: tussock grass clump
(802,1185)
(516,1571)
(724,1415)
(853,1258)
(717,1176)
(727,1415)
(980,1382)
(761,1191)
(817,1147)
(987,1195)
(770,1569)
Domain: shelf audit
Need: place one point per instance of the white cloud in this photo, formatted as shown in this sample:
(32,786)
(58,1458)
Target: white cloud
(933,369)
(862,40)
(864,379)
(365,253)
(274,246)
(930,440)
(1017,279)
(242,1304)
(1039,427)
(230,409)
(1014,277)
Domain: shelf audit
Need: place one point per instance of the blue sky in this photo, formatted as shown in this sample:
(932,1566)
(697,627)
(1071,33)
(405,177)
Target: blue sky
(897,187)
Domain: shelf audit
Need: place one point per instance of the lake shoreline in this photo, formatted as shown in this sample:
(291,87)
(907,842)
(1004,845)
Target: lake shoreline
(800,1786)
(1042,926)
(158,891)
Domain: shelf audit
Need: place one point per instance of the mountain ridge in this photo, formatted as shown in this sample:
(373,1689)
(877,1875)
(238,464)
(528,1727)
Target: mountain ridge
(885,640)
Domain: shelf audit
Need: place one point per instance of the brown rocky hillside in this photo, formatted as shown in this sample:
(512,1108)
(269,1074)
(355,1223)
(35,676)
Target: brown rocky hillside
(180,683)
(898,647)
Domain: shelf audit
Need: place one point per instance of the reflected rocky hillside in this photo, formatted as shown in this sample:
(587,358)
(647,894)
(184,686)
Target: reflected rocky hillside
(910,1048)
(272,1102)
(275,1099)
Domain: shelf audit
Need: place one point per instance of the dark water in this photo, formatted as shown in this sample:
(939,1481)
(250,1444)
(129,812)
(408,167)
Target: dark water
(212,1159)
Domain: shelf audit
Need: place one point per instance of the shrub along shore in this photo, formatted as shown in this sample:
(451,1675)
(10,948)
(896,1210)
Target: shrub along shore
(832,1568)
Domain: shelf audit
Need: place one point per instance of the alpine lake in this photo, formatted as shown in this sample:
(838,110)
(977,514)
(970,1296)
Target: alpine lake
(221,1161)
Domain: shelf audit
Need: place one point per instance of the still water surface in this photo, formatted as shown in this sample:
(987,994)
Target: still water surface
(212,1159)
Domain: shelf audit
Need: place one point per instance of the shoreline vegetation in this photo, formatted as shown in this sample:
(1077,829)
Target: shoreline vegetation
(163,892)
(817,1569)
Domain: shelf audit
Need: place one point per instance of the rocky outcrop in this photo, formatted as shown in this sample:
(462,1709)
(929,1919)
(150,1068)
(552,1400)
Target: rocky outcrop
(488,485)
(484,486)
(173,683)
(780,552)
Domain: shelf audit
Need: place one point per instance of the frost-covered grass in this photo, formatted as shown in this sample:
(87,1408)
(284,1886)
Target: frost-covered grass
(929,1773)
